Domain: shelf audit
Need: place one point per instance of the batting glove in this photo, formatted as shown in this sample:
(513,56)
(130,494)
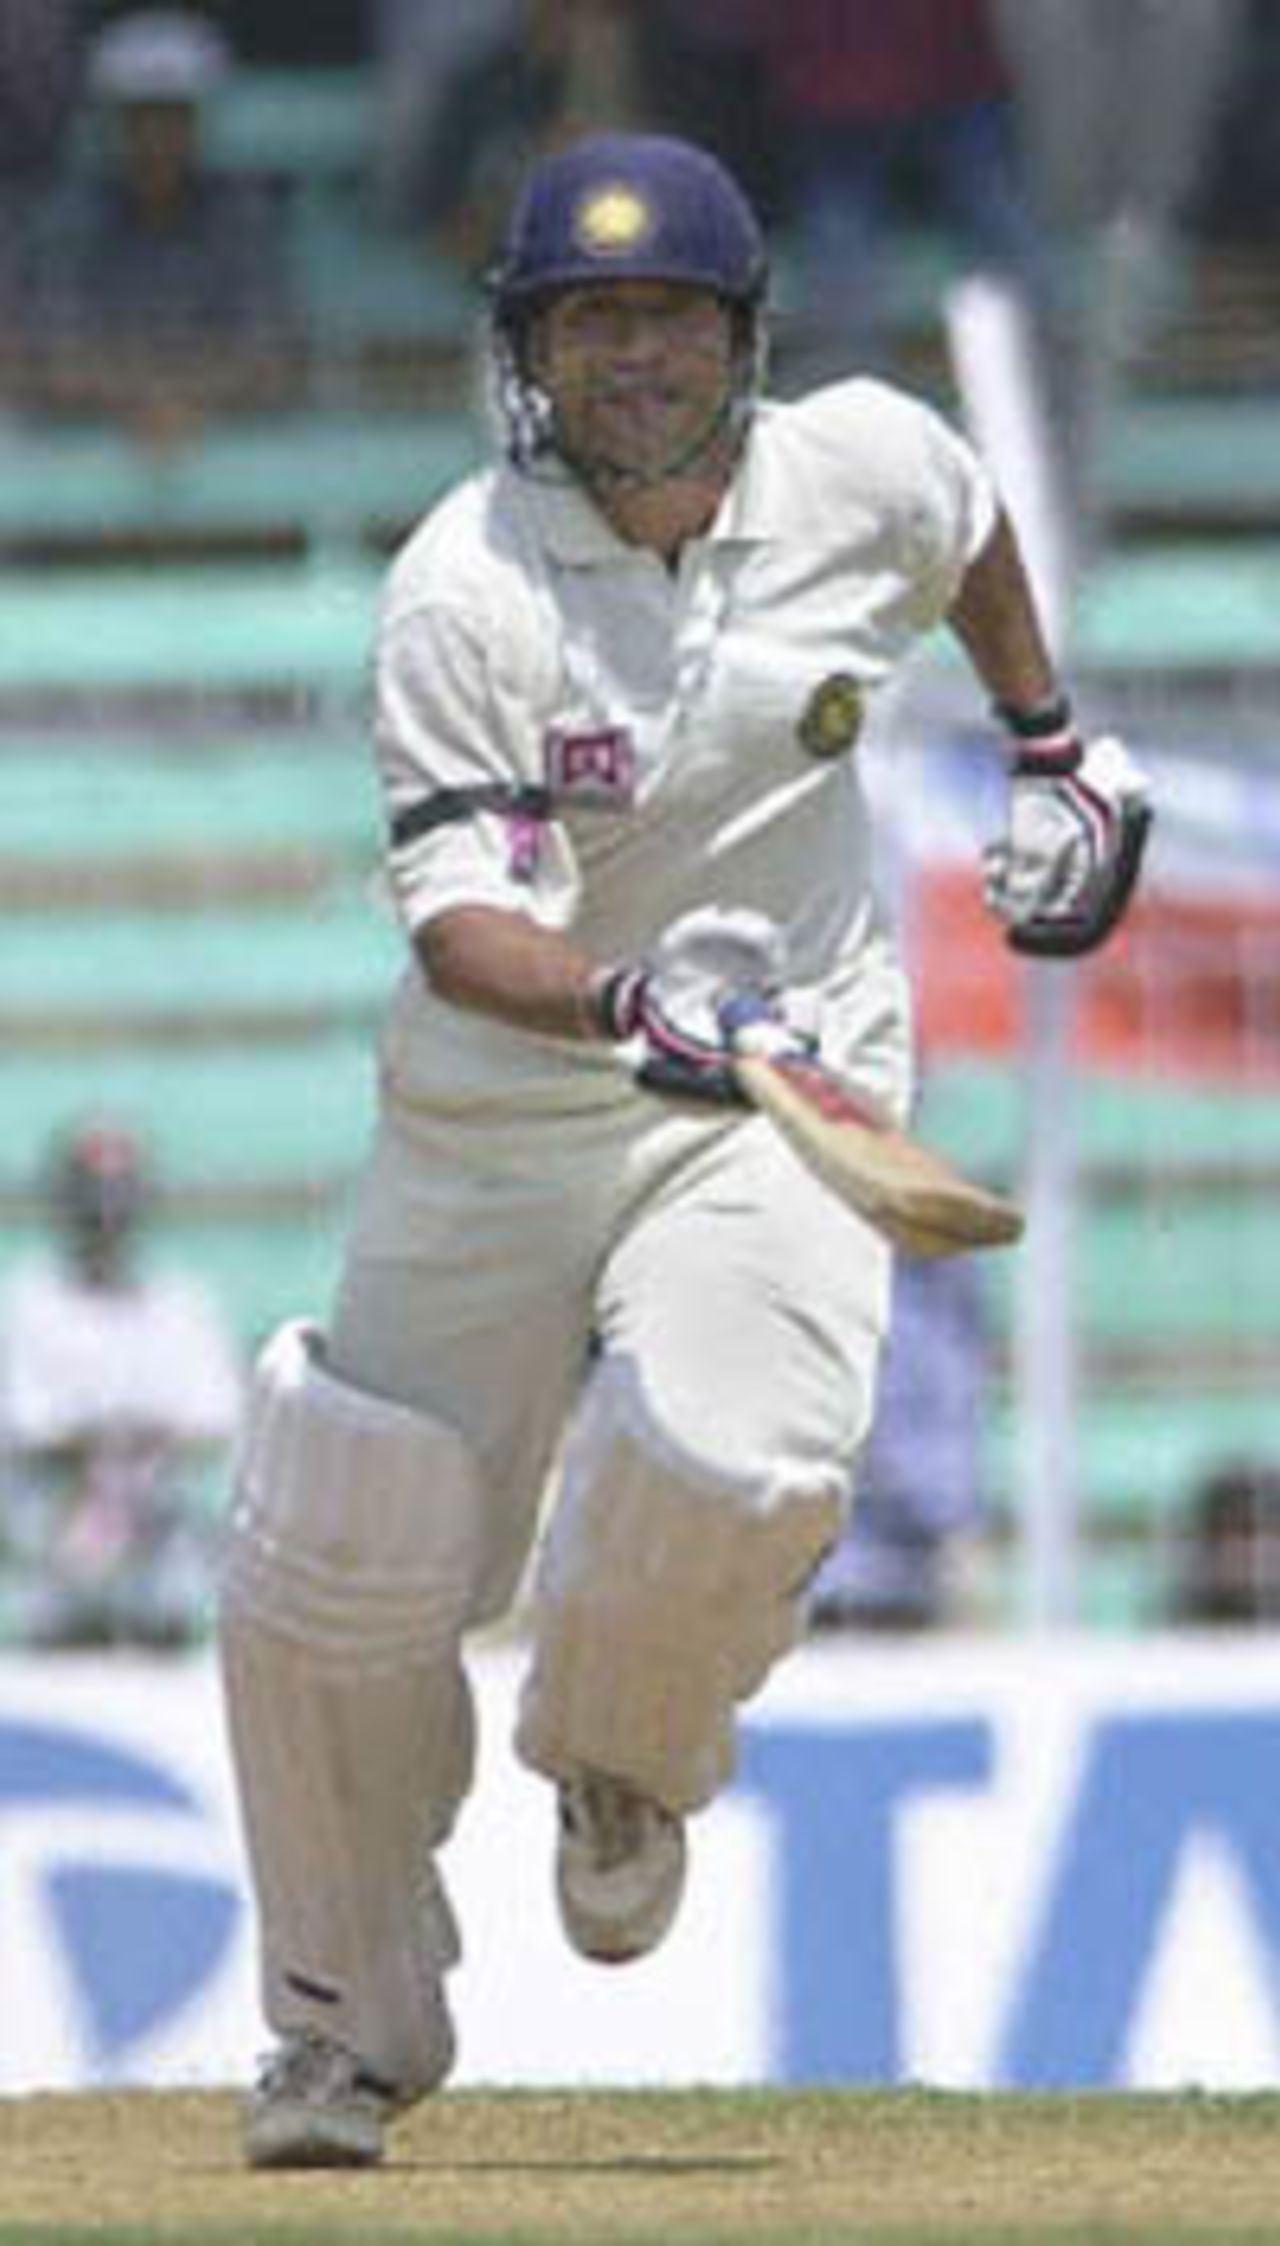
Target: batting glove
(1079,817)
(678,1009)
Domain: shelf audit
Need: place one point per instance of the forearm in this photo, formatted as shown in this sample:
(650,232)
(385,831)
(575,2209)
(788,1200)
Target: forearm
(504,965)
(995,619)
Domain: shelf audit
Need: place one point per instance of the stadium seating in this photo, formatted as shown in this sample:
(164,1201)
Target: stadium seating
(78,635)
(1211,606)
(315,480)
(309,125)
(119,799)
(189,942)
(188,830)
(1217,460)
(1175,1305)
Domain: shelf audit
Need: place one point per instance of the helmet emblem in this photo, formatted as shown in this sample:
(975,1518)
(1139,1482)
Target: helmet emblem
(832,717)
(611,220)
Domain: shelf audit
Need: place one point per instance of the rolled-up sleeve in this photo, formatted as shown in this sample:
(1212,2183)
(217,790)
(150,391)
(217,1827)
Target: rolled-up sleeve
(441,733)
(950,514)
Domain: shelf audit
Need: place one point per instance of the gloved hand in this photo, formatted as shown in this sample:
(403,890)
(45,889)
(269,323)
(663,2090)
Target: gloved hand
(1063,875)
(668,1008)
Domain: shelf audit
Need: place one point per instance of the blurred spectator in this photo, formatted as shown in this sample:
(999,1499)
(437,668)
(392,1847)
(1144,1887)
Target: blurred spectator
(39,50)
(117,1389)
(919,1485)
(702,75)
(1120,101)
(421,46)
(890,114)
(159,292)
(555,68)
(1229,1556)
(303,34)
(1235,198)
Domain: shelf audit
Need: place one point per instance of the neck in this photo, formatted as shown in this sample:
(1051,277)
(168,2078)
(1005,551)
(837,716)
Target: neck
(665,516)
(664,521)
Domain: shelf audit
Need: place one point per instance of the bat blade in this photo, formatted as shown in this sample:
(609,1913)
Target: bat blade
(912,1194)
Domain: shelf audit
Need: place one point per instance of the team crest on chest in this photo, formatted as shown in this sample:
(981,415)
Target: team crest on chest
(594,767)
(832,717)
(612,219)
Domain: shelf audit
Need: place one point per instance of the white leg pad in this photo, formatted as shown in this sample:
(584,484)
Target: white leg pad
(663,1598)
(348,1574)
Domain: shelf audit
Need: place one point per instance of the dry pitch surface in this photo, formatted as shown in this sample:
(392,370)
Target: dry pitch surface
(905,2168)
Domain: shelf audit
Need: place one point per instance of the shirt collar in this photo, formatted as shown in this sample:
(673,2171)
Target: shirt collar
(570,529)
(756,507)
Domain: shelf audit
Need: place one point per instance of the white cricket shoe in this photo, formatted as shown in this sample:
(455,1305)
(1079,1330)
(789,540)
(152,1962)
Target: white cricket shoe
(315,2106)
(620,1868)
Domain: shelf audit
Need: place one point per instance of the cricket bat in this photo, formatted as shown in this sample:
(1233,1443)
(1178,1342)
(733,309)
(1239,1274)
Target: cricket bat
(913,1195)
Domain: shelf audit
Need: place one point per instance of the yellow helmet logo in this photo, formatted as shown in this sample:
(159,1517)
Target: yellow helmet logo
(612,219)
(832,718)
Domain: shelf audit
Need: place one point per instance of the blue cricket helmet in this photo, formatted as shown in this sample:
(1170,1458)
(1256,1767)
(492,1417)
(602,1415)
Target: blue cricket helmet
(623,207)
(635,207)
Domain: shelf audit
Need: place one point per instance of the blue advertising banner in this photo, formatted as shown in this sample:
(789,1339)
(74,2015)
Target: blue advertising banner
(974,1863)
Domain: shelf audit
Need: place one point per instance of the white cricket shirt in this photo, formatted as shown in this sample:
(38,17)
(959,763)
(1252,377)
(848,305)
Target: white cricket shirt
(697,730)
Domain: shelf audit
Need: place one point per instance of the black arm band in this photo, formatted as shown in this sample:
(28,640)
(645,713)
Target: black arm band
(446,806)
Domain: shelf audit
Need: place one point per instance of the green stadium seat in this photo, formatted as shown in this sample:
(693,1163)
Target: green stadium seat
(1174,1304)
(1187,606)
(125,797)
(1164,1272)
(244,627)
(365,285)
(264,1272)
(1139,1456)
(308,124)
(223,1115)
(312,476)
(1175,458)
(335,961)
(977,1111)
(1139,1461)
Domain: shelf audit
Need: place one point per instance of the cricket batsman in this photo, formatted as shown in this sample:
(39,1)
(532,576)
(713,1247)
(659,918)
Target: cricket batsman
(622,677)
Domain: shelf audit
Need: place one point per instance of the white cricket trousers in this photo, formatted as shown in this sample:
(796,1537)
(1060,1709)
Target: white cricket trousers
(675,1304)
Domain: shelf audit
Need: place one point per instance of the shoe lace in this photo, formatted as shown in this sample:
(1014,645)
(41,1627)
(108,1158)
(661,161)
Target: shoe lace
(313,2068)
(610,1817)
